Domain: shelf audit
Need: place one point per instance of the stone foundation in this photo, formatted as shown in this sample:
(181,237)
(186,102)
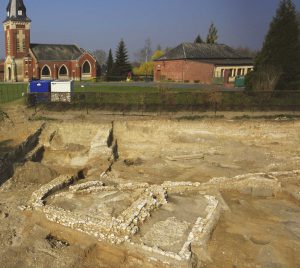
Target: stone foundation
(122,228)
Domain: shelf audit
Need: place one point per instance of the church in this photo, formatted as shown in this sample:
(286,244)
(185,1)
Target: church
(25,61)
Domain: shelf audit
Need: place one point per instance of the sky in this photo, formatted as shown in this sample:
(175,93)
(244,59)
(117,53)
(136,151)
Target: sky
(100,24)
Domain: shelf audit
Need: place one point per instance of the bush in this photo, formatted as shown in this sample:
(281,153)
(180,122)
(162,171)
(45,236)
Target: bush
(264,79)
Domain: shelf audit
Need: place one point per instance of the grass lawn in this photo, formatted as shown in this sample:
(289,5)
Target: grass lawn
(11,92)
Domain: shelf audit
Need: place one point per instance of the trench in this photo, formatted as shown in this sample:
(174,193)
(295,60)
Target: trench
(20,154)
(112,143)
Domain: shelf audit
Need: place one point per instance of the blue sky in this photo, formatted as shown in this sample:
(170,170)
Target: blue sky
(102,23)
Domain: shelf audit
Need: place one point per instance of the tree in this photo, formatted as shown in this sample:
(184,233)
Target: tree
(157,54)
(265,80)
(158,47)
(281,48)
(109,64)
(144,54)
(213,98)
(101,56)
(198,40)
(121,66)
(146,68)
(212,36)
(246,52)
(168,49)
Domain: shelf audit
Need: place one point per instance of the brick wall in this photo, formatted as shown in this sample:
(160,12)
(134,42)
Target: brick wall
(183,71)
(74,68)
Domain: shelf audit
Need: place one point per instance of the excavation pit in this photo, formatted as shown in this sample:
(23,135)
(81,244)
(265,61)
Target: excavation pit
(101,205)
(163,200)
(169,227)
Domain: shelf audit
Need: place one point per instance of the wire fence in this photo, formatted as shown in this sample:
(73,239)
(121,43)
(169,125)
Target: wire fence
(171,101)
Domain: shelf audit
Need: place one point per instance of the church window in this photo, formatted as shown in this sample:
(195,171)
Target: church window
(18,45)
(45,71)
(20,12)
(63,71)
(86,68)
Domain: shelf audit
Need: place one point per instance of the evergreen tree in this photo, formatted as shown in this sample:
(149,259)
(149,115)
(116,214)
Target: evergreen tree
(198,40)
(122,66)
(281,49)
(212,36)
(109,64)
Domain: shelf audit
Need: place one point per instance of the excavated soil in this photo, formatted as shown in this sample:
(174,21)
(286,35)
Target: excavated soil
(253,231)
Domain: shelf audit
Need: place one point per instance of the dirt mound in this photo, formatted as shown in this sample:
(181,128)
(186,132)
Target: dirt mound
(33,173)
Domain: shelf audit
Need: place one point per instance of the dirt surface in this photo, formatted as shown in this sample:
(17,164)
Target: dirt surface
(253,232)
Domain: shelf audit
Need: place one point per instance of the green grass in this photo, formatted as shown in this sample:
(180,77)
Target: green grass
(11,92)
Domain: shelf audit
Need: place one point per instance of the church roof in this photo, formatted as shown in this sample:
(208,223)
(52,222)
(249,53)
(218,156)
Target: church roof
(211,53)
(52,52)
(16,10)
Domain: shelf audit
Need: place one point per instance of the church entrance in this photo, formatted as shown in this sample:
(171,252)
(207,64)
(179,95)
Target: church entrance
(9,74)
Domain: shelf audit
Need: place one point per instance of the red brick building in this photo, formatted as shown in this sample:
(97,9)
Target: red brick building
(25,61)
(201,63)
(1,71)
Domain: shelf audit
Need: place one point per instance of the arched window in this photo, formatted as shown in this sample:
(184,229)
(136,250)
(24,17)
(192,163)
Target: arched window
(63,71)
(86,68)
(46,71)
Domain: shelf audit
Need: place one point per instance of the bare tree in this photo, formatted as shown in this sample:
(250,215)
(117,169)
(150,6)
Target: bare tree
(101,56)
(144,54)
(213,98)
(267,78)
(246,52)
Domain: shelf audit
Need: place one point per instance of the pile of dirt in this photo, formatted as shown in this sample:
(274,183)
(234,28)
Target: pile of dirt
(33,173)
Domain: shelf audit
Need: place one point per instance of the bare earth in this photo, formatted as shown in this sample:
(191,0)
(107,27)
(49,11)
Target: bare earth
(255,229)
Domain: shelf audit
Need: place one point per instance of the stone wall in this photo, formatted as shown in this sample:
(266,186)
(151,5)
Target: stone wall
(120,229)
(114,230)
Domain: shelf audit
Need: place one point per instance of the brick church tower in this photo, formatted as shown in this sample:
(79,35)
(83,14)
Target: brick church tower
(17,41)
(25,61)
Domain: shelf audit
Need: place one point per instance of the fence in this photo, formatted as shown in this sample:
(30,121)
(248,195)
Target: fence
(173,101)
(11,92)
